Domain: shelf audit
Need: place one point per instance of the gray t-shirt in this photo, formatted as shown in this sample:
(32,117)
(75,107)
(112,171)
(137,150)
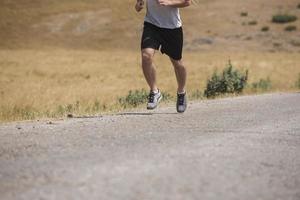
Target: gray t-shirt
(162,16)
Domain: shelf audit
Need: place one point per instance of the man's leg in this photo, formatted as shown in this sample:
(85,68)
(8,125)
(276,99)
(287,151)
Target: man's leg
(150,76)
(148,68)
(180,72)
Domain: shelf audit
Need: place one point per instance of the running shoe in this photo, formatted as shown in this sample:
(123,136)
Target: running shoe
(181,102)
(153,100)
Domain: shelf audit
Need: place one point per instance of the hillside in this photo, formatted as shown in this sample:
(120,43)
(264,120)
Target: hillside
(96,24)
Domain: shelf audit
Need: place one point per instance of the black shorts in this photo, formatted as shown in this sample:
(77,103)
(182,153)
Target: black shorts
(169,41)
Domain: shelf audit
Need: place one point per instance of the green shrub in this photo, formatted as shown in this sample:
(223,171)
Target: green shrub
(265,29)
(262,84)
(253,22)
(290,28)
(298,82)
(283,18)
(138,97)
(295,43)
(244,14)
(230,81)
(134,98)
(277,44)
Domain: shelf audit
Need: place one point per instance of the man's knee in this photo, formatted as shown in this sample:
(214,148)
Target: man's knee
(177,63)
(147,57)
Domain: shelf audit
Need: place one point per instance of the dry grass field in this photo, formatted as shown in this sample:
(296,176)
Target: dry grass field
(58,55)
(37,83)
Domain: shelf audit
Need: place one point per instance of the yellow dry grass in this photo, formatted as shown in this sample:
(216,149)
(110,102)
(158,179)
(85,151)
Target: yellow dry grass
(35,83)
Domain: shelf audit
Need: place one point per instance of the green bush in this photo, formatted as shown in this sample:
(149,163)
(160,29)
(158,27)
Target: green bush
(244,14)
(138,97)
(295,43)
(230,81)
(262,84)
(253,22)
(283,18)
(298,82)
(134,98)
(290,28)
(265,29)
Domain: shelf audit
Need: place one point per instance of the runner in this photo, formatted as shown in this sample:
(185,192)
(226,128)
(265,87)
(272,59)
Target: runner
(162,30)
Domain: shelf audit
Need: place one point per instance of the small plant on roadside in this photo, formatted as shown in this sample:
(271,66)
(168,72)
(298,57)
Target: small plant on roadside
(229,81)
(298,82)
(262,85)
(134,98)
(167,96)
(283,18)
(265,29)
(197,94)
(298,6)
(65,110)
(26,112)
(290,28)
(96,107)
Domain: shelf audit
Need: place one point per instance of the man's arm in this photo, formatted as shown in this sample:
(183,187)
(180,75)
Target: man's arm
(175,3)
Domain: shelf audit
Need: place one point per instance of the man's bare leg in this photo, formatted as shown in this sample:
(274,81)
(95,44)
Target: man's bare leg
(180,72)
(148,68)
(150,76)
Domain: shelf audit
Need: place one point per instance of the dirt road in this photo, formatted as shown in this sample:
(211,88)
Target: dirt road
(235,148)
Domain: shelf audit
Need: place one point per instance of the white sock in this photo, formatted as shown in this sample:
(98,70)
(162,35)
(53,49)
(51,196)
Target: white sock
(155,91)
(181,92)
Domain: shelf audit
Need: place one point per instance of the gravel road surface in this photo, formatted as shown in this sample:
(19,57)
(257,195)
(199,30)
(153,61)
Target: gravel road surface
(244,148)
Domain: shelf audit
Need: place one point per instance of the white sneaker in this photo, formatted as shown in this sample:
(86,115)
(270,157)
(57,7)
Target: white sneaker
(153,100)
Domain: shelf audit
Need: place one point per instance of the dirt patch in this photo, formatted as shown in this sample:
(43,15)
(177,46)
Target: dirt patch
(76,23)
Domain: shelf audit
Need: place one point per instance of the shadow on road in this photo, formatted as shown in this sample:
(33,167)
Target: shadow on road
(146,113)
(85,117)
(123,114)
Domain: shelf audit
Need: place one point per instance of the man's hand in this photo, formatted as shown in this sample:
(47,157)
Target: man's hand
(139,5)
(174,3)
(164,2)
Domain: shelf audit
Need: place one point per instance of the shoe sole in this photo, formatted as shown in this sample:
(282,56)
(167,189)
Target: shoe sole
(181,111)
(149,108)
